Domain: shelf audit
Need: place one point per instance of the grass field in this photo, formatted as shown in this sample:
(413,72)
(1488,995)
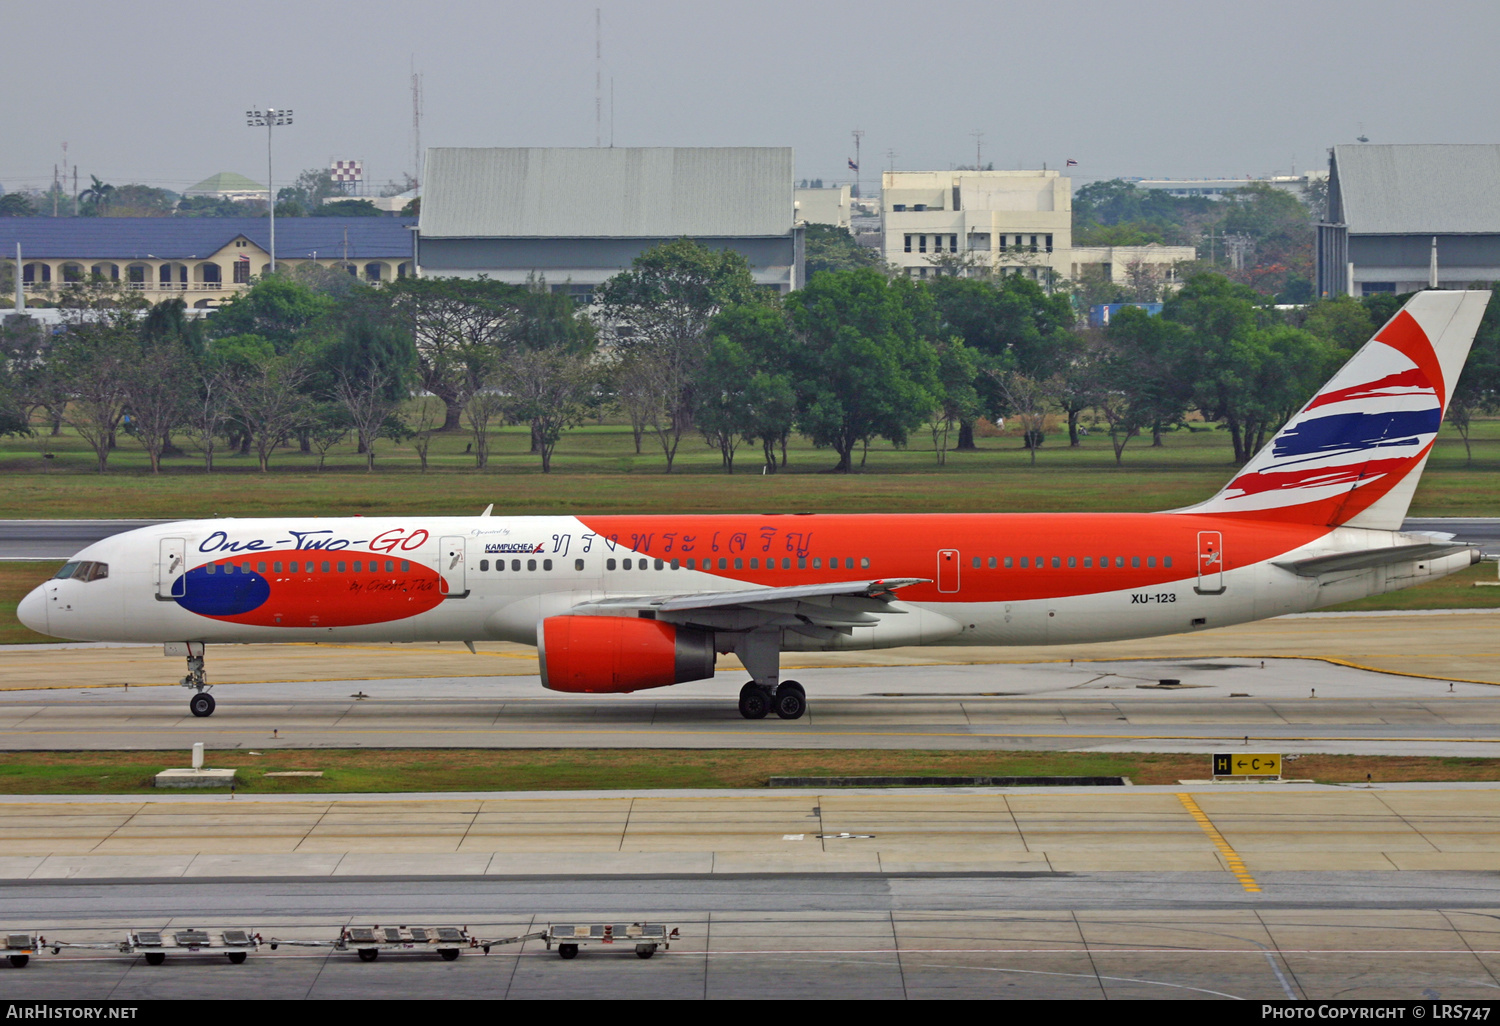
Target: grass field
(398,770)
(596,470)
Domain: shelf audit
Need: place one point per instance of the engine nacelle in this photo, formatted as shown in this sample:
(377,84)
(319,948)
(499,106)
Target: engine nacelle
(598,654)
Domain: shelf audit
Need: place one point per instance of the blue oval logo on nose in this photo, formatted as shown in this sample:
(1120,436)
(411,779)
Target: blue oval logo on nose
(221,594)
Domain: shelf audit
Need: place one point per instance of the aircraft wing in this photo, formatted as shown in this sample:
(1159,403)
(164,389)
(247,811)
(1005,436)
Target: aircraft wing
(839,606)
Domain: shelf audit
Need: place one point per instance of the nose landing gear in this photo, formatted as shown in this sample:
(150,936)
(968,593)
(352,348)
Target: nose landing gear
(201,704)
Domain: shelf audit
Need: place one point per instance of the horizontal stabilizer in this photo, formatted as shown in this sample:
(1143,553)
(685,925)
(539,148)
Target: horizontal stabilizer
(1364,559)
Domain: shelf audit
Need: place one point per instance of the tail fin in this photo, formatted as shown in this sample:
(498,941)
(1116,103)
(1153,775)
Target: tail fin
(1354,454)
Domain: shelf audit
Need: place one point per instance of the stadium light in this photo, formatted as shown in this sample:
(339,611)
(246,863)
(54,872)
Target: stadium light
(269,119)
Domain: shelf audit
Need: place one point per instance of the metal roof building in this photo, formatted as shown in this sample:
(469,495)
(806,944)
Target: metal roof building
(577,216)
(1393,210)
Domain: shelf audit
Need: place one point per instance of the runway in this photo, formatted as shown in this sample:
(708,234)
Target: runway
(1344,893)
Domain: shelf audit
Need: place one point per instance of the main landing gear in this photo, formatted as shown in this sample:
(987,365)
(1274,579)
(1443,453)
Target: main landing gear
(202,703)
(760,651)
(787,700)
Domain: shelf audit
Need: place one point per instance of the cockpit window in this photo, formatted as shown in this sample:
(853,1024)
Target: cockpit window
(83,571)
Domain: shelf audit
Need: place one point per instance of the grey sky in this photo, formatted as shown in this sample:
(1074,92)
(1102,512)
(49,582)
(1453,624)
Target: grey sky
(157,93)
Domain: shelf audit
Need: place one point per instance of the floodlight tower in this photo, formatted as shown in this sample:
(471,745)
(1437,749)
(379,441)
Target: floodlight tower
(269,118)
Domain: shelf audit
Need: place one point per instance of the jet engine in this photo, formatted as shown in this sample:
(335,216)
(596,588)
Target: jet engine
(598,654)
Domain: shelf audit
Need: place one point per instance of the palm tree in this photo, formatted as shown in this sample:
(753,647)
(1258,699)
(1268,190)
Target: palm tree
(97,197)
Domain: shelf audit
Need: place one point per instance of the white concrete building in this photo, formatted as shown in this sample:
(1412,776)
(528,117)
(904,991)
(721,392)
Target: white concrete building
(1006,222)
(1126,265)
(823,206)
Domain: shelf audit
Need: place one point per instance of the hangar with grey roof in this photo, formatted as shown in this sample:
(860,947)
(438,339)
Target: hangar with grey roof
(1395,210)
(577,216)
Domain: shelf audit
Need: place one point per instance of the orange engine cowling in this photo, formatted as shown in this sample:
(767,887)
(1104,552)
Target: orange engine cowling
(620,653)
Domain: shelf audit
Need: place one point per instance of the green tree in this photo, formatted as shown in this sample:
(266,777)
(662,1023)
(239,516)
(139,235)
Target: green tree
(827,247)
(659,312)
(1478,387)
(276,308)
(746,389)
(136,200)
(94,201)
(347,208)
(863,370)
(1343,321)
(14,204)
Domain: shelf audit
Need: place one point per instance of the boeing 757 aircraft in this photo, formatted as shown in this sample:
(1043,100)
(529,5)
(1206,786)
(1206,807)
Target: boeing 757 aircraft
(621,603)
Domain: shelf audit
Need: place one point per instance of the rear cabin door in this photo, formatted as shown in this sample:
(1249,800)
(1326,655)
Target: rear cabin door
(455,581)
(1210,563)
(947,570)
(171,579)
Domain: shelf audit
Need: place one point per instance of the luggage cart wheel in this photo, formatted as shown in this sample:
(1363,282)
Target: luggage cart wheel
(567,950)
(645,950)
(19,961)
(155,958)
(369,954)
(449,954)
(235,957)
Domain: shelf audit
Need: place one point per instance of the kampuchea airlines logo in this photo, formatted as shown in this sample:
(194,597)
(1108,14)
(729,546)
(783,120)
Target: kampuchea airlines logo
(1373,422)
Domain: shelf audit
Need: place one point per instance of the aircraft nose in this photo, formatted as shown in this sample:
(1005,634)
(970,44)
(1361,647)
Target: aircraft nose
(32,610)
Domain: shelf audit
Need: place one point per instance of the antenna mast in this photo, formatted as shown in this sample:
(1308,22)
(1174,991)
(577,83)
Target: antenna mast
(598,79)
(416,121)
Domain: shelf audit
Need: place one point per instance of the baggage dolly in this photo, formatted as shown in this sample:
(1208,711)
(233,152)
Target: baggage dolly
(369,941)
(646,937)
(156,945)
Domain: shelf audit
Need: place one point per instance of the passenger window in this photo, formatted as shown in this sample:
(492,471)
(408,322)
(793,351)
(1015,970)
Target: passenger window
(739,563)
(833,563)
(1166,561)
(659,564)
(1119,561)
(817,564)
(864,562)
(343,567)
(546,564)
(1009,562)
(786,563)
(675,565)
(977,562)
(1150,560)
(1025,562)
(65,571)
(1056,562)
(209,569)
(1072,562)
(1135,561)
(609,564)
(245,567)
(801,562)
(359,566)
(627,565)
(515,565)
(325,566)
(722,563)
(292,567)
(260,568)
(577,564)
(692,564)
(531,564)
(484,565)
(755,563)
(406,566)
(229,568)
(992,562)
(1088,561)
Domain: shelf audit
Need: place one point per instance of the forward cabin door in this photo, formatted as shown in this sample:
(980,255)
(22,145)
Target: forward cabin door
(947,571)
(452,568)
(171,579)
(1210,563)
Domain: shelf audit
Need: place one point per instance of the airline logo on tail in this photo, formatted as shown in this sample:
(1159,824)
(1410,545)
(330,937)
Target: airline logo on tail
(1376,417)
(1367,433)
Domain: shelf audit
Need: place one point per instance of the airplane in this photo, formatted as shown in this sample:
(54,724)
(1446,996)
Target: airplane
(621,603)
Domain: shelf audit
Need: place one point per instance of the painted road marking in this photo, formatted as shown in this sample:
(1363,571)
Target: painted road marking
(1231,857)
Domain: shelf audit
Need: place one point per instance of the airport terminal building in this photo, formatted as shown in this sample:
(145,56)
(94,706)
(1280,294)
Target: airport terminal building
(1395,211)
(578,216)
